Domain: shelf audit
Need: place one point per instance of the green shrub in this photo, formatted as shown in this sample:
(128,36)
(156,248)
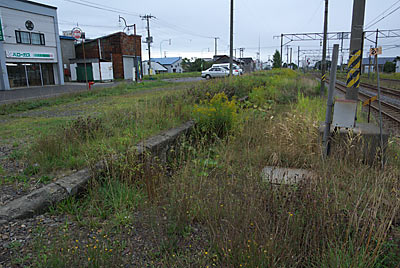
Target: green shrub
(216,116)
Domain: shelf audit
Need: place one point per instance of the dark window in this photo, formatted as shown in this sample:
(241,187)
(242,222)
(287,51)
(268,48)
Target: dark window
(23,37)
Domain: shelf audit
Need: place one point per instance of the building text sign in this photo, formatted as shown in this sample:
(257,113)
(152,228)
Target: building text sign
(29,55)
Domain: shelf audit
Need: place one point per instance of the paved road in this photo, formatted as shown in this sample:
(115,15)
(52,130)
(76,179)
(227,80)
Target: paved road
(15,95)
(8,96)
(184,79)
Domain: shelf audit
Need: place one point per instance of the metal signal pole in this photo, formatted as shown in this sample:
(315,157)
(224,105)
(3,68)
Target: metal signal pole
(323,63)
(231,42)
(149,38)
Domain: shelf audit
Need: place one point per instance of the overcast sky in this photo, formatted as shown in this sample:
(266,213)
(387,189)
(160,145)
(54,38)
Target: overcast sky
(192,24)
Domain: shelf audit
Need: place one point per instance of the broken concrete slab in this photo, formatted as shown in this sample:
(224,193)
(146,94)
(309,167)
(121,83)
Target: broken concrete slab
(34,202)
(288,176)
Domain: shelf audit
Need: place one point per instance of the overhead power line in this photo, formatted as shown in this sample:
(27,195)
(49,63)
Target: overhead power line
(119,11)
(180,29)
(102,7)
(375,21)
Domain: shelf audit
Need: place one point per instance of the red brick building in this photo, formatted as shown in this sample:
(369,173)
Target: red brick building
(124,51)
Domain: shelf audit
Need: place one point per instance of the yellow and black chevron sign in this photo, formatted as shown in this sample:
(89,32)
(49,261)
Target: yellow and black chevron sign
(353,72)
(323,77)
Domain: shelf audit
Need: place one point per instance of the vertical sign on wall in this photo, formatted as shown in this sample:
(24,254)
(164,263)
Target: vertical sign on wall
(1,32)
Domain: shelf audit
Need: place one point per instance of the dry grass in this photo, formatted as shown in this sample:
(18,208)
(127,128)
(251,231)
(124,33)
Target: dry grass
(340,218)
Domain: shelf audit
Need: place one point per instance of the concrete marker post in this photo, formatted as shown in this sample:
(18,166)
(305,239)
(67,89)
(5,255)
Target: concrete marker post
(328,117)
(354,65)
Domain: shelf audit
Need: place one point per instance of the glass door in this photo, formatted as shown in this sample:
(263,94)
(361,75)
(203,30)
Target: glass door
(47,74)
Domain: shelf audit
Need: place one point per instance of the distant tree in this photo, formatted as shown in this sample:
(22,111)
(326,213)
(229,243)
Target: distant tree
(389,67)
(277,62)
(318,65)
(293,66)
(197,65)
(186,64)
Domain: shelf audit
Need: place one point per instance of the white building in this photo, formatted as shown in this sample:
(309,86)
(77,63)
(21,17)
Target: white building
(30,52)
(155,66)
(173,64)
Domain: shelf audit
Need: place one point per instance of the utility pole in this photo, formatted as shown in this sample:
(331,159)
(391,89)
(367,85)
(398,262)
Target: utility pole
(231,43)
(291,56)
(323,63)
(354,65)
(149,39)
(84,59)
(216,45)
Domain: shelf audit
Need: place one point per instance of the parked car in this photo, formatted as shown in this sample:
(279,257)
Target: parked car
(214,72)
(236,69)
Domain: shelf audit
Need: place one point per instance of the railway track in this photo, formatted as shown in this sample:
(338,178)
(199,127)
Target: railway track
(394,93)
(389,110)
(391,80)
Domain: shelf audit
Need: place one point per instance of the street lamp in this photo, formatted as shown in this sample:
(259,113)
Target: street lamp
(169,40)
(126,25)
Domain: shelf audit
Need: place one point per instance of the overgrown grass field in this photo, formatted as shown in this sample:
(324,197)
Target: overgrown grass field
(209,206)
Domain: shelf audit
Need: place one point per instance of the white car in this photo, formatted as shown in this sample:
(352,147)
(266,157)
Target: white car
(236,69)
(214,72)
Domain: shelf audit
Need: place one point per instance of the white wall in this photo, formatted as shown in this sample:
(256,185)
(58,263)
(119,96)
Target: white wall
(74,76)
(13,20)
(106,71)
(176,65)
(155,66)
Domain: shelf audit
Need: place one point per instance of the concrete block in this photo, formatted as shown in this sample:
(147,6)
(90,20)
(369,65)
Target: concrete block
(289,176)
(32,203)
(364,140)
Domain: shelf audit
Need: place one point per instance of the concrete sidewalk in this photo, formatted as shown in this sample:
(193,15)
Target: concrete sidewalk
(20,94)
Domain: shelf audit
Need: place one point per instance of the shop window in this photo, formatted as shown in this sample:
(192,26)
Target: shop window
(16,74)
(23,37)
